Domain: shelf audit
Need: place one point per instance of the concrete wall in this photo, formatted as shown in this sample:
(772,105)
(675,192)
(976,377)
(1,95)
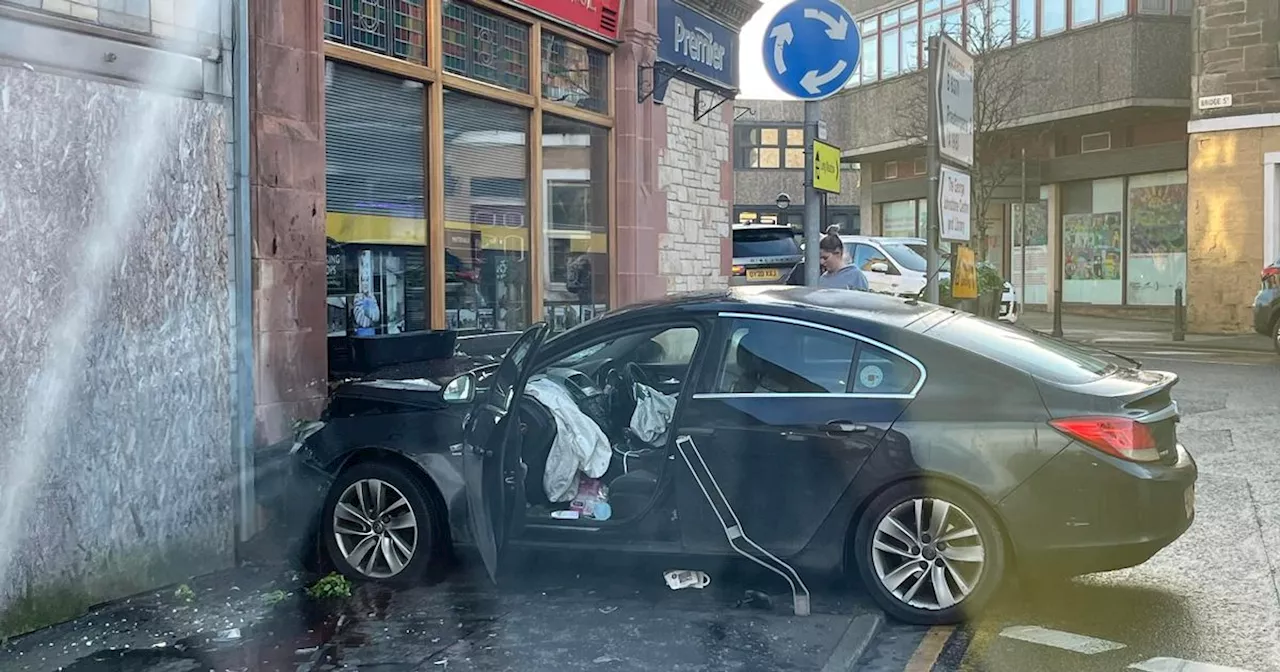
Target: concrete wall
(1144,64)
(696,174)
(117,472)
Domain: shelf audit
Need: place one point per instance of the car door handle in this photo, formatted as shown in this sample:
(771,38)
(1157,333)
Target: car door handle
(842,427)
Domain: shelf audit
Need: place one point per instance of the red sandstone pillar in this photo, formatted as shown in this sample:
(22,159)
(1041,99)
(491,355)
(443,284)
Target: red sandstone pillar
(286,103)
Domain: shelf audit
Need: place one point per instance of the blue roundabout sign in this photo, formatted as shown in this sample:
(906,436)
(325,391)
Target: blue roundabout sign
(811,48)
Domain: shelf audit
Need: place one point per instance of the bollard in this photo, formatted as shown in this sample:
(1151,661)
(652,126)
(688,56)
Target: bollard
(1179,316)
(1057,312)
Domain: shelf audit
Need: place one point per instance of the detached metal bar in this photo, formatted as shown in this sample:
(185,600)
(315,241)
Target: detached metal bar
(733,527)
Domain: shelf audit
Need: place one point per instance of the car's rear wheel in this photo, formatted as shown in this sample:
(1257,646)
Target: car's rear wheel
(379,524)
(929,552)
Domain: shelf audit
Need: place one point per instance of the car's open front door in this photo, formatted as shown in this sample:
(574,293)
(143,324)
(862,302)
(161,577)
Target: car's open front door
(490,455)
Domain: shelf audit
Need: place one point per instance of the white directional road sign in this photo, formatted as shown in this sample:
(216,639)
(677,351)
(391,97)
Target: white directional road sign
(955,104)
(954,205)
(811,48)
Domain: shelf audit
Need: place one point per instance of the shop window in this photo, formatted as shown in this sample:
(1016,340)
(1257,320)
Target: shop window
(1093,242)
(484,46)
(898,219)
(1037,249)
(486,216)
(375,203)
(1157,262)
(392,27)
(768,147)
(574,74)
(575,281)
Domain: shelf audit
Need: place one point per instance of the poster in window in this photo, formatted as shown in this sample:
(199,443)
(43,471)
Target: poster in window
(1157,238)
(1037,252)
(1092,251)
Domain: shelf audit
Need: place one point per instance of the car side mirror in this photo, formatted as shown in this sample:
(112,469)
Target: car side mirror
(460,390)
(879,267)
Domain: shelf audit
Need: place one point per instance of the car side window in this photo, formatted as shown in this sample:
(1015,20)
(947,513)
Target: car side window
(865,255)
(768,357)
(673,346)
(879,371)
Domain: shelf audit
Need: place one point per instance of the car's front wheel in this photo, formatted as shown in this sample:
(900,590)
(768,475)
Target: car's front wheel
(929,552)
(1275,333)
(379,524)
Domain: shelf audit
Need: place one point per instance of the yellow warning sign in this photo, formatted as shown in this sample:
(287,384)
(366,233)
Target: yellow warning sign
(826,167)
(964,274)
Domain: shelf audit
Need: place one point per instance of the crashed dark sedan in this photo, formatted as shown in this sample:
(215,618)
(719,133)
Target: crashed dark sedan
(929,454)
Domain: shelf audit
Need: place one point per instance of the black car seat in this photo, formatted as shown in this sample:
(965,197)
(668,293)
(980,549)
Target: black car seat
(538,433)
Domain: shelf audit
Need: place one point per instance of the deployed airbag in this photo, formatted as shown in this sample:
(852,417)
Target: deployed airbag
(580,445)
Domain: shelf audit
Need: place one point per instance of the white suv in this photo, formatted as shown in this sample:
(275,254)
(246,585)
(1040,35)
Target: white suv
(897,266)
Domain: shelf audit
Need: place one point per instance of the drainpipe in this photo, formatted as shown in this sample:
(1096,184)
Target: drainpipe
(246,504)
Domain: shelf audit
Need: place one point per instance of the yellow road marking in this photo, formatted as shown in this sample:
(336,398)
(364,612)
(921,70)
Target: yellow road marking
(930,648)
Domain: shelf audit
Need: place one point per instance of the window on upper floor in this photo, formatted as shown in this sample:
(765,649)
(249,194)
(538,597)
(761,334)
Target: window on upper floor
(769,147)
(895,40)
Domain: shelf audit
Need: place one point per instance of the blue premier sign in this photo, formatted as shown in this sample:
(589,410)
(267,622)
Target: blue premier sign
(706,47)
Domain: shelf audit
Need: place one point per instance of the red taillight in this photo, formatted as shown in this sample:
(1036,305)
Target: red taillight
(738,270)
(1271,276)
(1122,437)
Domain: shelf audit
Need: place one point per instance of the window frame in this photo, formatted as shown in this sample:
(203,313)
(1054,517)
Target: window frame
(709,376)
(742,150)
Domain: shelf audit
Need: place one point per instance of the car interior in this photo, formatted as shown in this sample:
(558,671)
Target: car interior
(600,379)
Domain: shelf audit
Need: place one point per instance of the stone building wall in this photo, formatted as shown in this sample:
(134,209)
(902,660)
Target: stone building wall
(696,173)
(1237,52)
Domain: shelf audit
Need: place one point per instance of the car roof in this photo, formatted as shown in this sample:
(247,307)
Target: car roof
(863,307)
(883,239)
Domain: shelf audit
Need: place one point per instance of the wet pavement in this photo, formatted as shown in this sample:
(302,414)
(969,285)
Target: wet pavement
(622,617)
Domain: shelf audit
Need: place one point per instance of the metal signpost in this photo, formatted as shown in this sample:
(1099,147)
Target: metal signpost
(950,139)
(810,49)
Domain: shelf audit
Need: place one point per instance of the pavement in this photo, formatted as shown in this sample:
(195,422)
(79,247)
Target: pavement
(1210,602)
(1109,332)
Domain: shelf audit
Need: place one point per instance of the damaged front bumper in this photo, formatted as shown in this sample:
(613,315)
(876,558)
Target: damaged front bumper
(289,490)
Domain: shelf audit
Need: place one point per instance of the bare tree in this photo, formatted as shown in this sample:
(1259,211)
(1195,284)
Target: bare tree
(1001,83)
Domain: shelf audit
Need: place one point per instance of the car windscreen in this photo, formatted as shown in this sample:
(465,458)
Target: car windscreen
(907,256)
(919,251)
(1043,357)
(765,243)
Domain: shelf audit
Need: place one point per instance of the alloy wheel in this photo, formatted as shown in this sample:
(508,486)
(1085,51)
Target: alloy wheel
(928,553)
(375,528)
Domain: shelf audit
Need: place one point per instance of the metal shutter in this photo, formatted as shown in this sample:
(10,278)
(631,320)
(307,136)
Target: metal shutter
(486,159)
(374,165)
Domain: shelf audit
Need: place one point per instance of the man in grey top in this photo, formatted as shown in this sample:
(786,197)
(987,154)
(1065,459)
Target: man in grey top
(836,273)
